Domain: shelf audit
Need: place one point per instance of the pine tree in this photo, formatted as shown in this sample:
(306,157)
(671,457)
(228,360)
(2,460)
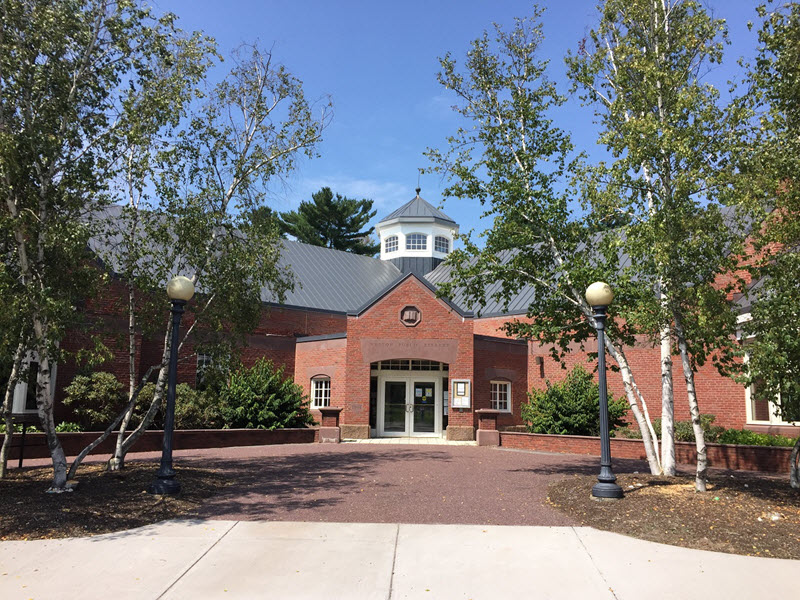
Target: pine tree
(333,222)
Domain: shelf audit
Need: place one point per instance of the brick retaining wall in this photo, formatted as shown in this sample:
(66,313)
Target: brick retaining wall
(769,459)
(186,439)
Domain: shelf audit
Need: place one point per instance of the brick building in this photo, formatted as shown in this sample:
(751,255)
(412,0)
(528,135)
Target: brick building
(370,336)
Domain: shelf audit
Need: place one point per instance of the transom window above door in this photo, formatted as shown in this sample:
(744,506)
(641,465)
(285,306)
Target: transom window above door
(409,364)
(416,241)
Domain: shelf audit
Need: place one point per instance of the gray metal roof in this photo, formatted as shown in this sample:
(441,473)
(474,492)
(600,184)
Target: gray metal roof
(333,280)
(417,210)
(517,305)
(325,279)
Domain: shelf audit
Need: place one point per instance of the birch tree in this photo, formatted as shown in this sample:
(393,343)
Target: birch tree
(518,164)
(67,68)
(251,130)
(131,238)
(770,165)
(642,70)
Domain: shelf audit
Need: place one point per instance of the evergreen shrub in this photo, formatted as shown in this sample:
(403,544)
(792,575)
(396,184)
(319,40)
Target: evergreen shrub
(262,397)
(95,400)
(571,407)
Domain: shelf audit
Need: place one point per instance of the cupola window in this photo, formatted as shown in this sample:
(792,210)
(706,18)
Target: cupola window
(441,244)
(417,241)
(391,244)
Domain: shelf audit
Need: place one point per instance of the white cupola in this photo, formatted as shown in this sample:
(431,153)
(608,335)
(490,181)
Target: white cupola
(417,236)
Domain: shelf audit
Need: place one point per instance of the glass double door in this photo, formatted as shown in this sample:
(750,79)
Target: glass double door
(410,407)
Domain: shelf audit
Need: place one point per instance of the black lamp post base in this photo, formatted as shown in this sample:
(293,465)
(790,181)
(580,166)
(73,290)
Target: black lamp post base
(603,489)
(165,486)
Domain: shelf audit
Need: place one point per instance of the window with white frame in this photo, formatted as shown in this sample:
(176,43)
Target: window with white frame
(501,395)
(391,244)
(761,410)
(320,392)
(204,362)
(24,397)
(441,244)
(416,241)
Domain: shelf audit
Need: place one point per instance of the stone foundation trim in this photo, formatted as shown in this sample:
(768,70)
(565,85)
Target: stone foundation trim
(461,433)
(488,438)
(329,435)
(355,432)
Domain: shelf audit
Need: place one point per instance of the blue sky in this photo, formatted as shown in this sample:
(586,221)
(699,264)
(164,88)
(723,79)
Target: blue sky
(378,62)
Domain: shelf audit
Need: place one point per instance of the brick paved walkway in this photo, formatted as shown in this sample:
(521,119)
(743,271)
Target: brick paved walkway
(390,483)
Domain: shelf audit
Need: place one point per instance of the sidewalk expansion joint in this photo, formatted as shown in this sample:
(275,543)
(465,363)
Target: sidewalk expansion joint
(394,560)
(199,558)
(594,564)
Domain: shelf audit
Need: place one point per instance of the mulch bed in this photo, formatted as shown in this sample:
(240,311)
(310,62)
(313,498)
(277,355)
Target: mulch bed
(740,514)
(102,503)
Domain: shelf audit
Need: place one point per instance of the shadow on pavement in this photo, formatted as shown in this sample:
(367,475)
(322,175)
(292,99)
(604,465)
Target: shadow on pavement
(263,487)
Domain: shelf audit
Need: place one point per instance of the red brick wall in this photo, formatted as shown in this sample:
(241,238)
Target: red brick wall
(382,320)
(749,458)
(273,338)
(717,395)
(151,441)
(501,360)
(324,357)
(493,326)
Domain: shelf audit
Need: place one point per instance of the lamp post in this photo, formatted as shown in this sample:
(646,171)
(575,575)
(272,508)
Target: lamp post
(599,296)
(180,290)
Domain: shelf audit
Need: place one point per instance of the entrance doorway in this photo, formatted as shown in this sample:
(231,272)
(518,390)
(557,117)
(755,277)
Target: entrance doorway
(409,407)
(410,403)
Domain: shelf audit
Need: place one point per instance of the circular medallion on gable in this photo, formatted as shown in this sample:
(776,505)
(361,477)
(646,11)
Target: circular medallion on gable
(410,316)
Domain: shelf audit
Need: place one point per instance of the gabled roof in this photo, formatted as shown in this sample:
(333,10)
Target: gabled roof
(417,210)
(372,301)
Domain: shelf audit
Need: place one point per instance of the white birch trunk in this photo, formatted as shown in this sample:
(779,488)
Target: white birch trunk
(631,393)
(8,398)
(44,406)
(115,462)
(667,405)
(694,409)
(131,403)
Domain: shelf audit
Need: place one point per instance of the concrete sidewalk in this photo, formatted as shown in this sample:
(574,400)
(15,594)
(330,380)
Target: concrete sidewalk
(287,560)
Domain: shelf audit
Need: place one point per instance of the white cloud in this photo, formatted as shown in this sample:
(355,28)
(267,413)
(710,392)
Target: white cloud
(387,195)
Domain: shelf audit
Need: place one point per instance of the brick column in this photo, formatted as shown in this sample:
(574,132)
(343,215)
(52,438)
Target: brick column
(329,431)
(487,427)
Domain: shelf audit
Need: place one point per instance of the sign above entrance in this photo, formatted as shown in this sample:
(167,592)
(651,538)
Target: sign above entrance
(461,393)
(373,350)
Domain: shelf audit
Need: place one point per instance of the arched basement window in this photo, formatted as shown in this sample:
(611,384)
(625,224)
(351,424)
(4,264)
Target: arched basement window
(441,244)
(391,244)
(416,241)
